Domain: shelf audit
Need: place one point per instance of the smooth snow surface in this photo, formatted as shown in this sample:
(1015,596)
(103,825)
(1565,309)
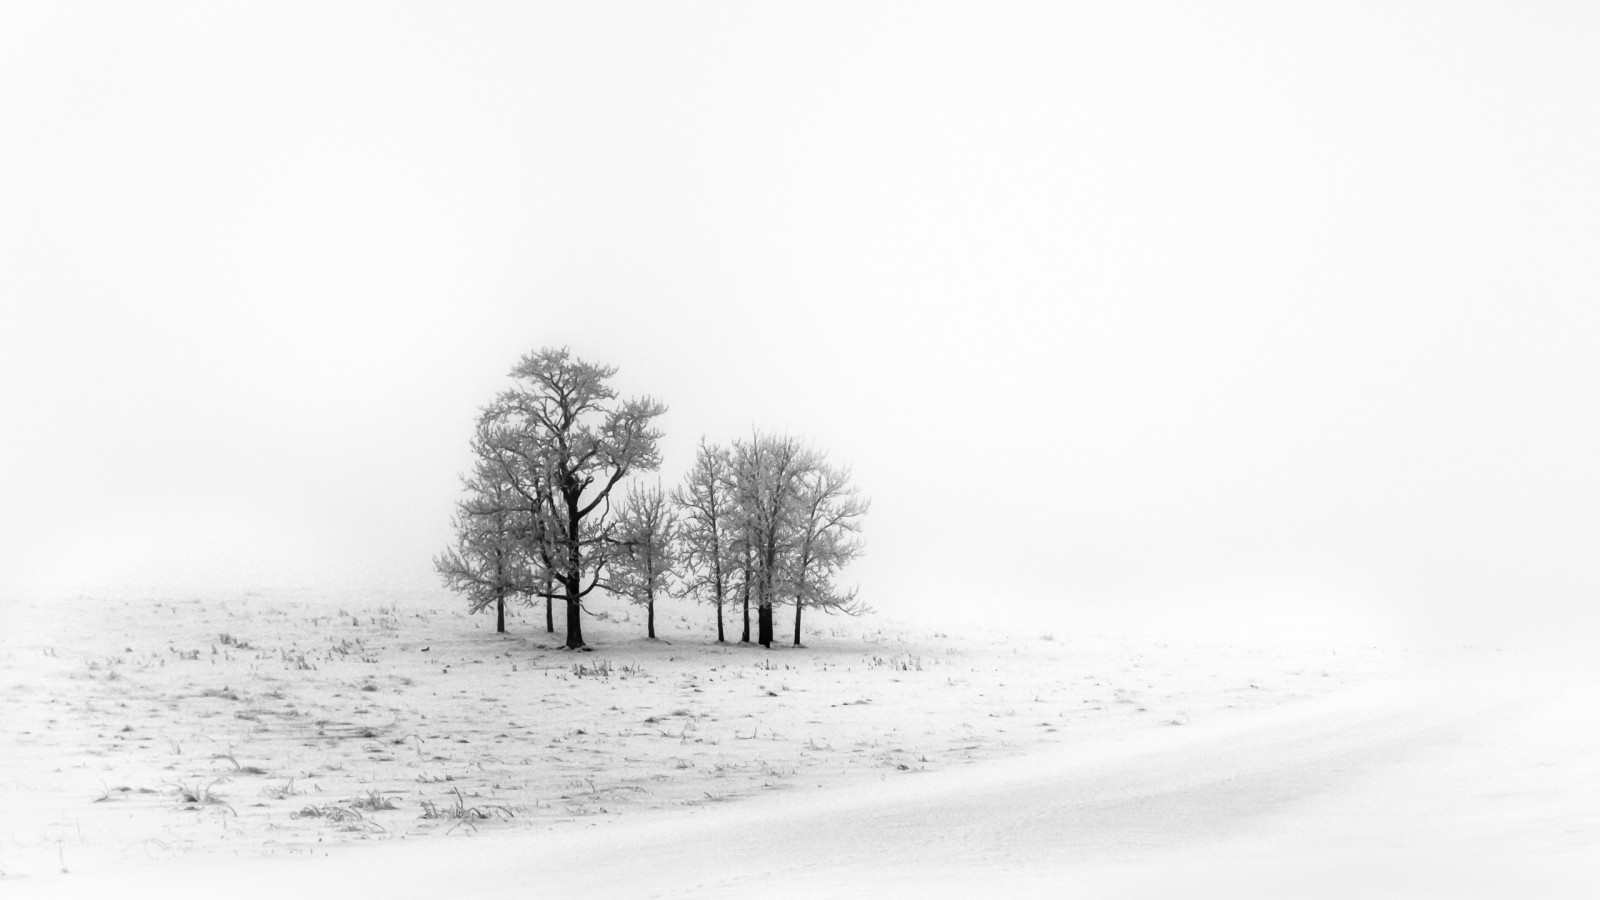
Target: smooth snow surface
(1470,774)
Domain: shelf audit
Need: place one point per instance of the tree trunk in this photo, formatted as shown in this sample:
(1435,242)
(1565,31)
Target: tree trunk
(549,605)
(746,638)
(764,624)
(574,625)
(573,580)
(650,617)
(499,593)
(717,597)
(805,560)
(769,566)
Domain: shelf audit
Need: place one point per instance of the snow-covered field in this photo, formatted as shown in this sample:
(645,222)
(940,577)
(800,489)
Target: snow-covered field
(294,744)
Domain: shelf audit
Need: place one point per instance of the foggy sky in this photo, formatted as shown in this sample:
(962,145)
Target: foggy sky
(1151,313)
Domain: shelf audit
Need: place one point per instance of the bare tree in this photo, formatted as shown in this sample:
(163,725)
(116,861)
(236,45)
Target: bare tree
(489,562)
(526,494)
(646,555)
(706,531)
(767,479)
(831,510)
(569,441)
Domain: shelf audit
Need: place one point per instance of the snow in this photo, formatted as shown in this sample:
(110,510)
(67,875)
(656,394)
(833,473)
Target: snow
(882,759)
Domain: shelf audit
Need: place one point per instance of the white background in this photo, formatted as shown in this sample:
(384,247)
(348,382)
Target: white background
(1243,316)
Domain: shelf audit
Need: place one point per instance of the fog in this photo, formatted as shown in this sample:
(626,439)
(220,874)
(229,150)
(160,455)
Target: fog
(1248,318)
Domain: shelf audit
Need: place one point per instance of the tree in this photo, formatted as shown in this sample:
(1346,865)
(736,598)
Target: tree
(524,494)
(831,510)
(646,554)
(767,480)
(489,561)
(706,535)
(566,442)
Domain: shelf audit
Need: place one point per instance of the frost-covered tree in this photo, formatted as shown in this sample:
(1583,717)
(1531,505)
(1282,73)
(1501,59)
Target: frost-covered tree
(706,533)
(489,562)
(768,473)
(831,510)
(525,494)
(794,524)
(646,554)
(568,441)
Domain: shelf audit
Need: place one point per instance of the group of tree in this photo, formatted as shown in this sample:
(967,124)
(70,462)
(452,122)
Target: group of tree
(764,522)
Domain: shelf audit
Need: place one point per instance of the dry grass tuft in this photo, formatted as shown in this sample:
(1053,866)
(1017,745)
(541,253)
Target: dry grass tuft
(280,792)
(461,811)
(195,796)
(343,817)
(373,801)
(601,669)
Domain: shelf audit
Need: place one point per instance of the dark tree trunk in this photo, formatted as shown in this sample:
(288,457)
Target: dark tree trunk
(769,566)
(746,638)
(499,593)
(805,560)
(574,579)
(650,617)
(574,625)
(720,638)
(764,624)
(549,605)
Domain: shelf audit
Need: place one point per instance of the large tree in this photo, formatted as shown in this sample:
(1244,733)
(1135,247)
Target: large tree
(567,441)
(710,555)
(645,554)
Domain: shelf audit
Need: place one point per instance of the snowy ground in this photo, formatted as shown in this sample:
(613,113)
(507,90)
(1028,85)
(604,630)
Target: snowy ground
(152,754)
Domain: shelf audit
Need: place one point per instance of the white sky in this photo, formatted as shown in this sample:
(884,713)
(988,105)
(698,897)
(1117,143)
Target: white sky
(1142,311)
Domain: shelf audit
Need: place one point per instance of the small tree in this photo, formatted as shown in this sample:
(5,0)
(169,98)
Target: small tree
(706,531)
(767,481)
(524,493)
(831,512)
(489,562)
(646,555)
